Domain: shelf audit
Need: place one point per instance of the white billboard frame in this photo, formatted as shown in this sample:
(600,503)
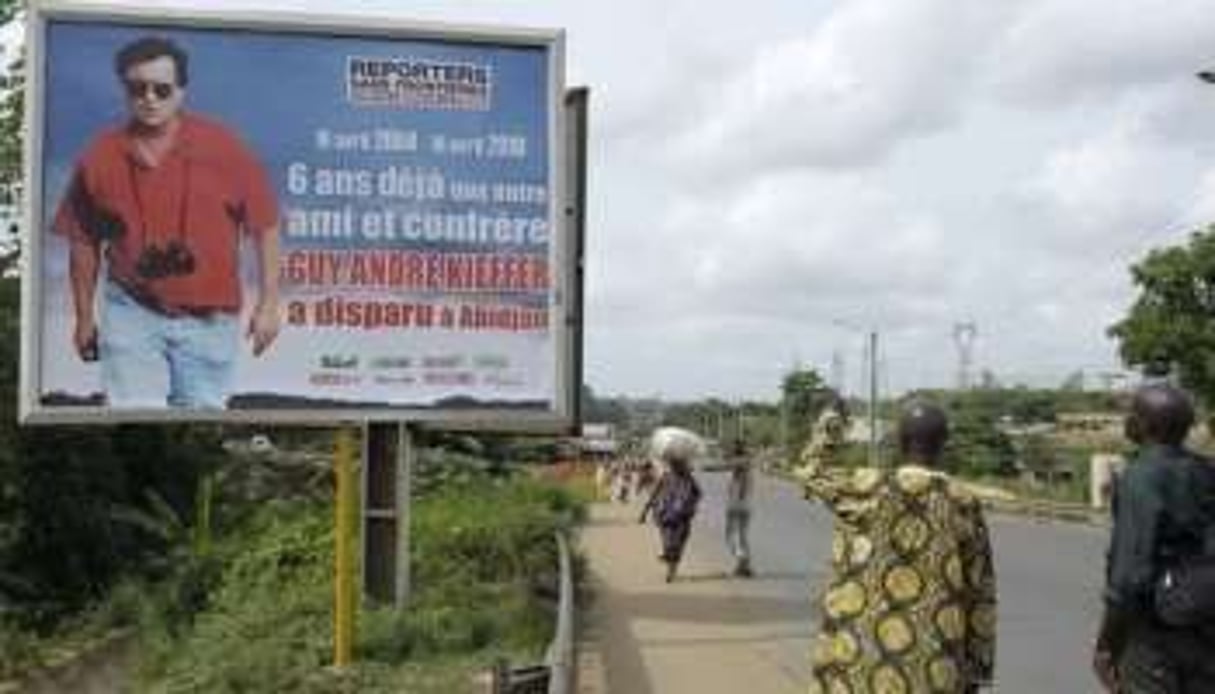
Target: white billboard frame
(564,320)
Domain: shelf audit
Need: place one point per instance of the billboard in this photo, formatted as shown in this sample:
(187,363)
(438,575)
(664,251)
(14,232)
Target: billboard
(293,218)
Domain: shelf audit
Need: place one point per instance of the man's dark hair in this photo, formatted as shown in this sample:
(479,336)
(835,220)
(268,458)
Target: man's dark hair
(923,430)
(150,48)
(1160,413)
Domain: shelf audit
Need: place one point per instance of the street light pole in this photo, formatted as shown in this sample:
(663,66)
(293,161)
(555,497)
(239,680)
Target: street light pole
(873,398)
(872,344)
(784,426)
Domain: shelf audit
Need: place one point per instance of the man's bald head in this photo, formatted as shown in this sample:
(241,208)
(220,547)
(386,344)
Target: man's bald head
(923,430)
(1160,413)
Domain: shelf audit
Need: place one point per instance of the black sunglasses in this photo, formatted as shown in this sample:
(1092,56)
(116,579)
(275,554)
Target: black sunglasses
(139,88)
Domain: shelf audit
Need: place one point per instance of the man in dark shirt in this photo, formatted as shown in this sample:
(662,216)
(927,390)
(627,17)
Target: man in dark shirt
(1162,505)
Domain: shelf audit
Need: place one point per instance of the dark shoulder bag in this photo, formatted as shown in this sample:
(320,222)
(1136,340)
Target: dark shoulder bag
(1185,591)
(1185,594)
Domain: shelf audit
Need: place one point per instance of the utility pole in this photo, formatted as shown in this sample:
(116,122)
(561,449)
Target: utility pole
(784,425)
(784,409)
(873,398)
(870,352)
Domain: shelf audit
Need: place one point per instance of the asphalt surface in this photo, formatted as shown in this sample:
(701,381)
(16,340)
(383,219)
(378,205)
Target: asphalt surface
(1048,574)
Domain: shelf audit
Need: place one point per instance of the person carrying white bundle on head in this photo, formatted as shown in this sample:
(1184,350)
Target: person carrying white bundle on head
(676,494)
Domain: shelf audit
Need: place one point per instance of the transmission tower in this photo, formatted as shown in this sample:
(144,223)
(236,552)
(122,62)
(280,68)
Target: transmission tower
(964,335)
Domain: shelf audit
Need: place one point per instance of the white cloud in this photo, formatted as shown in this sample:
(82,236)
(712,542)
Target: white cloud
(871,75)
(1113,192)
(1202,212)
(1064,50)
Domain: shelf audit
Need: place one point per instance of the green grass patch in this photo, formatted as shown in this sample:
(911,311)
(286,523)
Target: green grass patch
(484,574)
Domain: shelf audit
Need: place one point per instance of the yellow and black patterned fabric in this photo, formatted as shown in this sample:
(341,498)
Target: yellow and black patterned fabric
(826,438)
(911,604)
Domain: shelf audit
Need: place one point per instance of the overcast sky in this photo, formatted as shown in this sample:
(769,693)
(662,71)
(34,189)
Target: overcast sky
(759,171)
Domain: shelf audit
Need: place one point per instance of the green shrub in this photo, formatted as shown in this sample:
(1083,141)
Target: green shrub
(483,557)
(269,622)
(490,534)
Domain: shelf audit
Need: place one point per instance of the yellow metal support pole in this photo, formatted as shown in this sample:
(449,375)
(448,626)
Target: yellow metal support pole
(343,580)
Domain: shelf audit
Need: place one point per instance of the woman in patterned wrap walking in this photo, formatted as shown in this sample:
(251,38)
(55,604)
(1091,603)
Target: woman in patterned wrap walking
(911,605)
(676,494)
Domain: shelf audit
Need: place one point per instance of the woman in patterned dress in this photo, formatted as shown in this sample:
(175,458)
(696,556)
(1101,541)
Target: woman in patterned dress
(911,604)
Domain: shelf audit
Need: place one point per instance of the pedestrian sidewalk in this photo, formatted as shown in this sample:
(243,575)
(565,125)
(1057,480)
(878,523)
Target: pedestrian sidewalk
(706,633)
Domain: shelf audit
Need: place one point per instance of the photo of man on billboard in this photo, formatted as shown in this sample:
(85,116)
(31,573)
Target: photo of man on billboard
(154,217)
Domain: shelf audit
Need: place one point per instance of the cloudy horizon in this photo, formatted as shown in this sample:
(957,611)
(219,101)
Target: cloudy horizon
(762,176)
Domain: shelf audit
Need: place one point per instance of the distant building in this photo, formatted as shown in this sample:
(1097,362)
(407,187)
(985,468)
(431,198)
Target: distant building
(598,440)
(1040,446)
(1098,422)
(1020,431)
(1090,428)
(858,430)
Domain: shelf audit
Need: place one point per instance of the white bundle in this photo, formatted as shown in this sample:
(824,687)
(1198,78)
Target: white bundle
(675,443)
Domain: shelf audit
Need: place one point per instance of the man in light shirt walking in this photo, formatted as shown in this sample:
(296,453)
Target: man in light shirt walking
(738,510)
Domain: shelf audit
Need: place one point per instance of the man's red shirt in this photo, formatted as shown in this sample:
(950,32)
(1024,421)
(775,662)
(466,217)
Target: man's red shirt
(203,192)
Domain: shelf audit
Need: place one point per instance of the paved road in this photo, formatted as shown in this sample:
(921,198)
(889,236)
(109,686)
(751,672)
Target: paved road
(1048,578)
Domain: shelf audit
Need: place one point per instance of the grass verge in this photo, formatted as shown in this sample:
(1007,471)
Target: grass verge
(485,576)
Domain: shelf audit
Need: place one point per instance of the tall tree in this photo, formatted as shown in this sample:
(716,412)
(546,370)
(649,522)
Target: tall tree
(12,111)
(1170,327)
(804,394)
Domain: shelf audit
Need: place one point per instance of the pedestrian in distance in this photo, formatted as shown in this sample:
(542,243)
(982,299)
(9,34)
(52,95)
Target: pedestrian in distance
(676,496)
(621,480)
(1158,631)
(154,216)
(637,477)
(739,490)
(646,477)
(603,478)
(911,604)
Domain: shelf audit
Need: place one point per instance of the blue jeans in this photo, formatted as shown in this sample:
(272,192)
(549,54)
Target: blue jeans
(137,344)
